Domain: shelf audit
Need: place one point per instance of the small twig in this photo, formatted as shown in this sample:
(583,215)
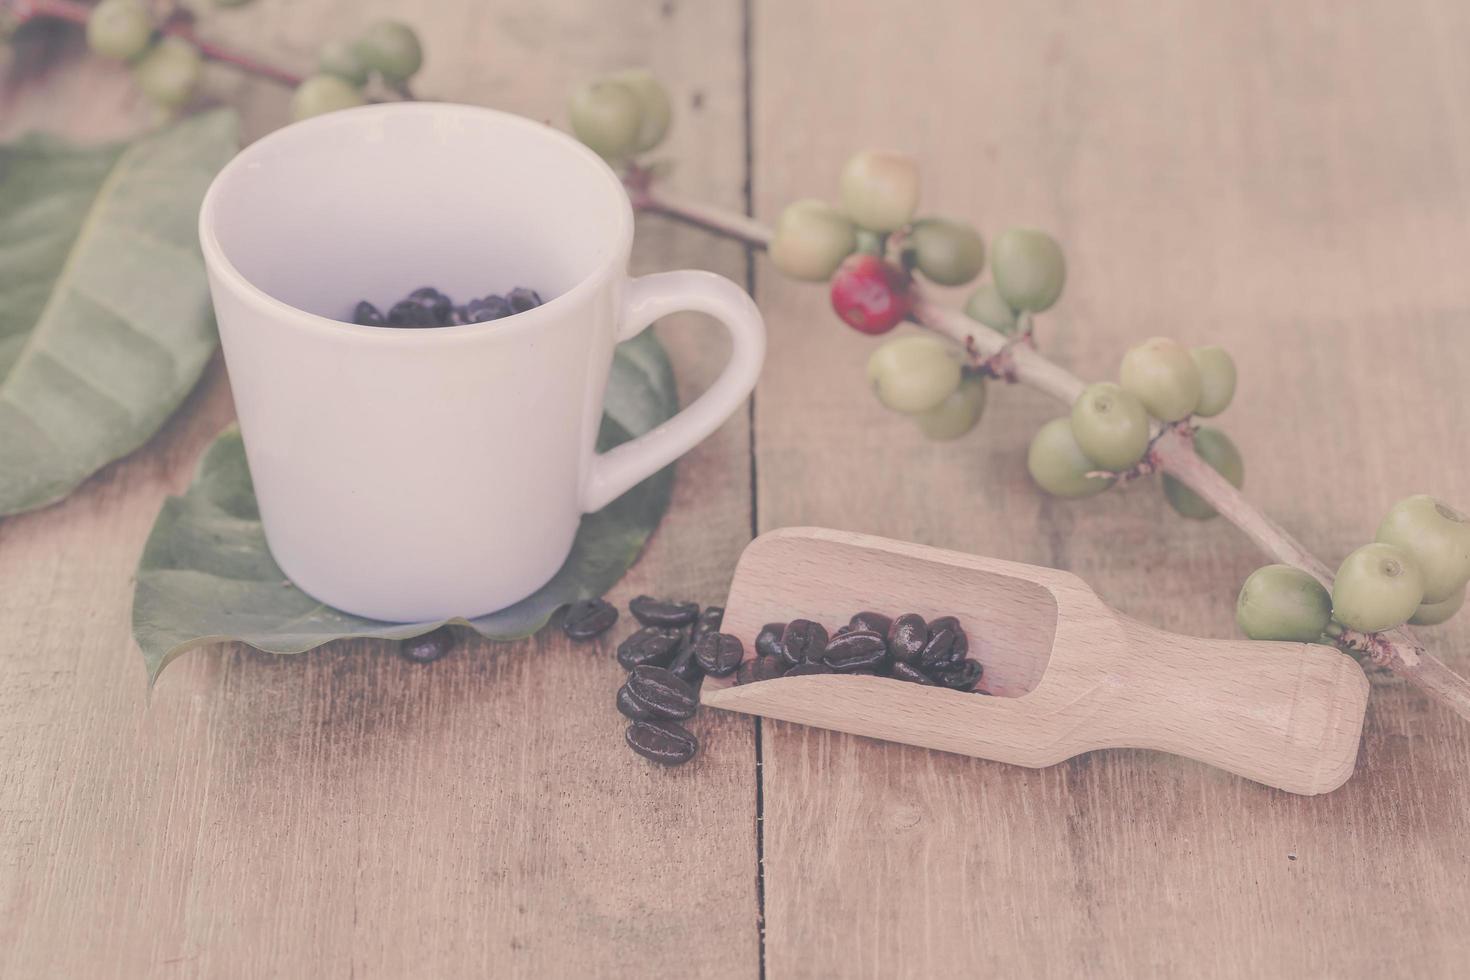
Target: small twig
(77,13)
(1172,450)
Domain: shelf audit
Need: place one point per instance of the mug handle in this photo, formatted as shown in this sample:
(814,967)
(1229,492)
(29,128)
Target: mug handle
(646,299)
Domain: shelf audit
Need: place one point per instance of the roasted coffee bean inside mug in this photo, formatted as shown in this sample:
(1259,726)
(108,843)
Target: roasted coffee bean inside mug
(428,307)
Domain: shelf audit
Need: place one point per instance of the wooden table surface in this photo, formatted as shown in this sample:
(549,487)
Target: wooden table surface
(1289,180)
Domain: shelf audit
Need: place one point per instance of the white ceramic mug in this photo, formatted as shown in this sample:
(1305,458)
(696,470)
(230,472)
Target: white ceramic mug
(419,474)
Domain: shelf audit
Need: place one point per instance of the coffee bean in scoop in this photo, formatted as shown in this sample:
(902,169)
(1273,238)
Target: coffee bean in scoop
(768,640)
(854,651)
(866,620)
(803,640)
(589,618)
(962,676)
(907,636)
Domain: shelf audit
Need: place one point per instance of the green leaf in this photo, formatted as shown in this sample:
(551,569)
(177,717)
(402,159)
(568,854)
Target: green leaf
(206,575)
(105,321)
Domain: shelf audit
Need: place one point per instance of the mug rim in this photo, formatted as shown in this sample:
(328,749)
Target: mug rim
(219,263)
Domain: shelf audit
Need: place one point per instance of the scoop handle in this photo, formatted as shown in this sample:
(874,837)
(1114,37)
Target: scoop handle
(1289,715)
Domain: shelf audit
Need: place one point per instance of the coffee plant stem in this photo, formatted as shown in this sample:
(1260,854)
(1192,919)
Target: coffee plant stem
(74,12)
(1399,650)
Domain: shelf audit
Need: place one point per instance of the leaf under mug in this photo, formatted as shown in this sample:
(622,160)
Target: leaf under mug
(206,575)
(105,320)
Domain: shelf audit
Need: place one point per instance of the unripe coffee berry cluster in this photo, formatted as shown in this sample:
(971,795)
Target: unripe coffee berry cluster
(1415,572)
(622,114)
(872,290)
(166,68)
(1110,427)
(388,48)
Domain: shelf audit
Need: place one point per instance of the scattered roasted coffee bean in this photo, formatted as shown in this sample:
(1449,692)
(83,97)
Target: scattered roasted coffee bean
(522,300)
(685,667)
(663,742)
(961,676)
(908,672)
(367,315)
(589,618)
(629,705)
(907,636)
(858,650)
(768,641)
(661,612)
(760,669)
(427,648)
(710,620)
(868,620)
(844,628)
(937,649)
(654,645)
(803,640)
(662,694)
(719,654)
(809,667)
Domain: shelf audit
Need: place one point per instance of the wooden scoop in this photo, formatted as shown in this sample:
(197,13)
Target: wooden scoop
(1068,673)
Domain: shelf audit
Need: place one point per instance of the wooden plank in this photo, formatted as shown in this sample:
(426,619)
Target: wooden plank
(1287,180)
(344,812)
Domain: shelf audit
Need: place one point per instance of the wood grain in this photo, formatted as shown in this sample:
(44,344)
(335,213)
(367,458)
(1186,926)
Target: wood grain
(1287,180)
(344,813)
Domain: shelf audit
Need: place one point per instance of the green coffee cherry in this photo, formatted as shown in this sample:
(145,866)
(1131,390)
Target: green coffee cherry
(1377,587)
(606,116)
(1029,269)
(880,190)
(812,238)
(341,59)
(1279,602)
(1217,379)
(1164,377)
(986,306)
(1438,536)
(949,253)
(1434,613)
(654,110)
(1110,425)
(957,414)
(392,49)
(119,29)
(321,94)
(169,72)
(1058,464)
(913,374)
(1215,448)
